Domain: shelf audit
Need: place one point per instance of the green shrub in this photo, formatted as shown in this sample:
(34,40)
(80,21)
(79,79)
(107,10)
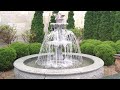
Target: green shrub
(118,46)
(111,43)
(93,41)
(7,57)
(78,32)
(87,48)
(106,53)
(34,48)
(22,49)
(118,41)
(28,36)
(7,33)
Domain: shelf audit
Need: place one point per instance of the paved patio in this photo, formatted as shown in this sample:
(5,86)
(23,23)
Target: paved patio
(115,76)
(7,75)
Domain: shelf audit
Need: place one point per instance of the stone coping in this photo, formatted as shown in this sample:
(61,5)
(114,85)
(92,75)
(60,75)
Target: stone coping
(19,64)
(117,55)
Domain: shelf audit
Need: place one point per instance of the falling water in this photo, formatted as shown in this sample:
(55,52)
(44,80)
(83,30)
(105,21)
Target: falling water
(59,45)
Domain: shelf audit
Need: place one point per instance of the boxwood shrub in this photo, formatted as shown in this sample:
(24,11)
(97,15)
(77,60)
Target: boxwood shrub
(34,48)
(87,48)
(106,53)
(7,57)
(93,41)
(22,49)
(111,43)
(118,41)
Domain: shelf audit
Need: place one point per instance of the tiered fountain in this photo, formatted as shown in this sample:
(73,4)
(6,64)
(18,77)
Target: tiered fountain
(59,58)
(59,44)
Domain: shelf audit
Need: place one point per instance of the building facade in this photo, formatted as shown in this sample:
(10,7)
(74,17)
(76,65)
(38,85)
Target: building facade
(21,20)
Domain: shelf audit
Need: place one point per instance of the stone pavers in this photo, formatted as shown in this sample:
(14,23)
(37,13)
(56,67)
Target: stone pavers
(109,70)
(115,76)
(7,75)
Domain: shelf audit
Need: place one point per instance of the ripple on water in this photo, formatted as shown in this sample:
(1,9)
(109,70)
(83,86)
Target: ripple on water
(86,62)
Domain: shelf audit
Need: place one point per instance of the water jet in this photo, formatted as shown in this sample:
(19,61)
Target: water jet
(59,58)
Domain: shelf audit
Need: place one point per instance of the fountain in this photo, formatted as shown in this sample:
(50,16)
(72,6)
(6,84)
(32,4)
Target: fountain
(59,58)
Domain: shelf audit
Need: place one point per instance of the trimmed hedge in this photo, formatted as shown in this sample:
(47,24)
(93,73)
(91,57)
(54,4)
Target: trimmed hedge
(93,41)
(106,53)
(22,49)
(7,57)
(118,41)
(111,43)
(105,50)
(34,48)
(88,48)
(16,50)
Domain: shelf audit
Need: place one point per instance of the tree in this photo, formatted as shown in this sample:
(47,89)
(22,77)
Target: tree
(105,26)
(116,31)
(52,20)
(88,25)
(70,20)
(96,19)
(91,24)
(99,25)
(112,23)
(37,26)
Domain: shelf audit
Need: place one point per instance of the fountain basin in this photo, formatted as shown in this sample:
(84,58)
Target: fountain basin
(94,70)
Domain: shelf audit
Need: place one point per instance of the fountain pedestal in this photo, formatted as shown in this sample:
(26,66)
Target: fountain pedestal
(92,71)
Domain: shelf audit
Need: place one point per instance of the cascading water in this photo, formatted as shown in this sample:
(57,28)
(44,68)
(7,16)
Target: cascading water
(58,47)
(59,58)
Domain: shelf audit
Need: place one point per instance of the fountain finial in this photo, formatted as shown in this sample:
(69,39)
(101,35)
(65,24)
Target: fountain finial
(59,18)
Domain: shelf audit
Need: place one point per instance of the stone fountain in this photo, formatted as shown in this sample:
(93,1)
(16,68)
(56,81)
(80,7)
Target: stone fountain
(59,58)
